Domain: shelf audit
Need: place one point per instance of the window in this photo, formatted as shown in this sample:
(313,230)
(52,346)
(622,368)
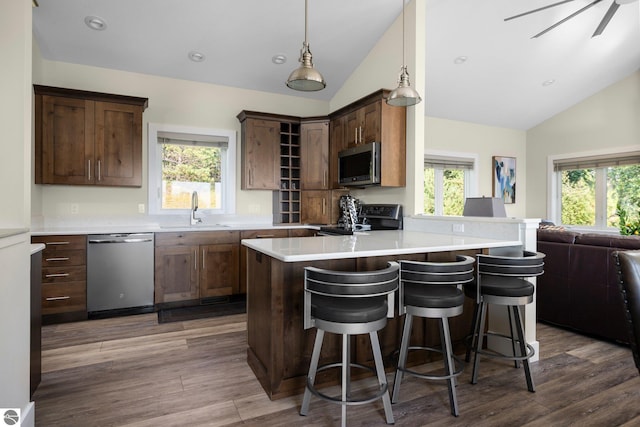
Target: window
(590,189)
(183,160)
(448,181)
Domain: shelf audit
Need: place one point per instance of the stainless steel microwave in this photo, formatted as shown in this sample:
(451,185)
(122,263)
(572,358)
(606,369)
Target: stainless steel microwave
(360,165)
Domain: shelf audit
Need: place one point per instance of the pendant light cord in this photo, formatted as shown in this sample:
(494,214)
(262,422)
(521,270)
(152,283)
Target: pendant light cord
(404,64)
(306,18)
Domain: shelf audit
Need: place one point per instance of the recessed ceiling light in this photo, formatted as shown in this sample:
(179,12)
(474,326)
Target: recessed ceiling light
(95,23)
(548,82)
(279,59)
(196,56)
(460,60)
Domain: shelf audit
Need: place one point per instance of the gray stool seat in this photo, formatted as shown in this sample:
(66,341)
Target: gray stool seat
(349,310)
(348,303)
(501,280)
(431,290)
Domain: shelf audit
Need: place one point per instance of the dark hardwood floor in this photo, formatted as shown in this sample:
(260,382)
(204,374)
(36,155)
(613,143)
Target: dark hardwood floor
(132,371)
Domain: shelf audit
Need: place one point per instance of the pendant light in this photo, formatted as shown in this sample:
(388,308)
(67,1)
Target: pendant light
(404,95)
(306,78)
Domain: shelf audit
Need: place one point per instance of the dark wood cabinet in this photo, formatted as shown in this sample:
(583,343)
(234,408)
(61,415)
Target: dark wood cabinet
(196,264)
(256,234)
(314,155)
(371,119)
(321,206)
(260,152)
(87,138)
(64,277)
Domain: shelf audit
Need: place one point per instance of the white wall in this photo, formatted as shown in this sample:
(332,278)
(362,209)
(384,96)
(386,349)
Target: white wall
(171,101)
(608,119)
(15,172)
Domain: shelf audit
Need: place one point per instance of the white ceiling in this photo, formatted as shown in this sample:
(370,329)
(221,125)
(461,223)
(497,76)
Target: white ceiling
(500,84)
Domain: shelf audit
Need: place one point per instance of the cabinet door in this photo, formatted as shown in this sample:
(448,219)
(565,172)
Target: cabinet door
(118,144)
(353,128)
(219,273)
(371,122)
(338,143)
(315,207)
(255,234)
(260,155)
(67,141)
(176,273)
(314,154)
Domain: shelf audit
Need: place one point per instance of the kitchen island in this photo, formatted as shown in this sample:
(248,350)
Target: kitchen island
(279,349)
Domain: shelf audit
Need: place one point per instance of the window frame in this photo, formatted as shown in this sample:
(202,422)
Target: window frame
(154,172)
(471,175)
(554,185)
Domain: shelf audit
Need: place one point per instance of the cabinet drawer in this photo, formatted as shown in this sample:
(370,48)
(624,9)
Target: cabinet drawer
(65,297)
(196,238)
(64,258)
(54,244)
(64,274)
(264,234)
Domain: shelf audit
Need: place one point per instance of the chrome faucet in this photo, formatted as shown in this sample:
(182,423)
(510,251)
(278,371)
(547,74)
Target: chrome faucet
(194,208)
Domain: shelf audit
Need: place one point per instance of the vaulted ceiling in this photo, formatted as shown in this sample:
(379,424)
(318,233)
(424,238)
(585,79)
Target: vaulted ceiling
(479,68)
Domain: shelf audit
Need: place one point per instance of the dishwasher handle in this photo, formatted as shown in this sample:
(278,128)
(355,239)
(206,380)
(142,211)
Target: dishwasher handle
(120,238)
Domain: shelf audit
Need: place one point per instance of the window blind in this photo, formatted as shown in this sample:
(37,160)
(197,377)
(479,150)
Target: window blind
(445,162)
(593,162)
(193,139)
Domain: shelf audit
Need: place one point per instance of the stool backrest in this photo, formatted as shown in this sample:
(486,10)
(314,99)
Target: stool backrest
(530,264)
(427,273)
(350,284)
(628,263)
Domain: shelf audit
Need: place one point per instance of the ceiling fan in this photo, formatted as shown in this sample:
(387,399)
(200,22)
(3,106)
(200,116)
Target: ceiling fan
(615,4)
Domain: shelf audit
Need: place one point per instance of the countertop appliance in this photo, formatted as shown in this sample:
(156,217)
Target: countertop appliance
(119,273)
(371,217)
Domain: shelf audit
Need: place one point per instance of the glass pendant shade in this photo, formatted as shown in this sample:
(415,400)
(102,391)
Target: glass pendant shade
(404,95)
(306,78)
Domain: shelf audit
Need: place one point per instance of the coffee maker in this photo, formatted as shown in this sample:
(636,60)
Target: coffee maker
(350,218)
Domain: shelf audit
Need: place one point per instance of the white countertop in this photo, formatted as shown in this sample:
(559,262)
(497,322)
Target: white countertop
(369,244)
(37,247)
(153,228)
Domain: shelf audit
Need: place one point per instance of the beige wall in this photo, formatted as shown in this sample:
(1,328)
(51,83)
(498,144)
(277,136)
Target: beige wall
(486,142)
(171,101)
(606,120)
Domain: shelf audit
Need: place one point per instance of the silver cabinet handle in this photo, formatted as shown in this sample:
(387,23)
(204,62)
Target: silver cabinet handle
(56,243)
(57,275)
(195,259)
(58,298)
(324,206)
(98,172)
(265,236)
(361,134)
(203,258)
(356,137)
(89,169)
(57,259)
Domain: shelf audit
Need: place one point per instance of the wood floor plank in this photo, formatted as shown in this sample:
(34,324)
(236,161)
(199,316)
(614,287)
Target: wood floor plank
(132,371)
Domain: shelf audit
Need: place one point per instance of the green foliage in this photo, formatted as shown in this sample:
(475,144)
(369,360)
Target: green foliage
(628,224)
(453,191)
(429,191)
(578,198)
(192,164)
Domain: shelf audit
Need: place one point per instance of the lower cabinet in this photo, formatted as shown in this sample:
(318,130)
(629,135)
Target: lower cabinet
(64,277)
(320,206)
(196,264)
(255,234)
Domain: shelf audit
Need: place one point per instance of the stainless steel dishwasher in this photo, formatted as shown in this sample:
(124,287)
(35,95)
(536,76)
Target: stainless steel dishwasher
(120,272)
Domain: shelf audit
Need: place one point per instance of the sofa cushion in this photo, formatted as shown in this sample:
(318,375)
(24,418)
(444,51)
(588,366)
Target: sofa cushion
(608,240)
(560,236)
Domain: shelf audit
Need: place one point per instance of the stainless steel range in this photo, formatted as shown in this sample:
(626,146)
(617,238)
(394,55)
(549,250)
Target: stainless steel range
(370,217)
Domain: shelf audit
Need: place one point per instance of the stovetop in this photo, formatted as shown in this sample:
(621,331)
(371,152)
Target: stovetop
(371,217)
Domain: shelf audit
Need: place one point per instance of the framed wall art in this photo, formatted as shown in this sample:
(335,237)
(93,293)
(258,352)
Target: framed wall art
(504,178)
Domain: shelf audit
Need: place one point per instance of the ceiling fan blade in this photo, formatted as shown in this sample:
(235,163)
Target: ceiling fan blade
(537,10)
(607,17)
(562,21)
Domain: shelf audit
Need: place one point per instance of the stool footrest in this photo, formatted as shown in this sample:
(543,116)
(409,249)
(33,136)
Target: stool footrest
(497,355)
(459,365)
(360,401)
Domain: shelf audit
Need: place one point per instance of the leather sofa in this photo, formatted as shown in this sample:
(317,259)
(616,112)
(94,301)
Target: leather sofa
(579,289)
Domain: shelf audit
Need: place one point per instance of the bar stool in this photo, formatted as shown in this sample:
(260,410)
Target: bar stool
(431,289)
(502,280)
(348,303)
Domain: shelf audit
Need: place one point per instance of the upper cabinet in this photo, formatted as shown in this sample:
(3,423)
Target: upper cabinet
(370,119)
(260,151)
(314,154)
(87,138)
